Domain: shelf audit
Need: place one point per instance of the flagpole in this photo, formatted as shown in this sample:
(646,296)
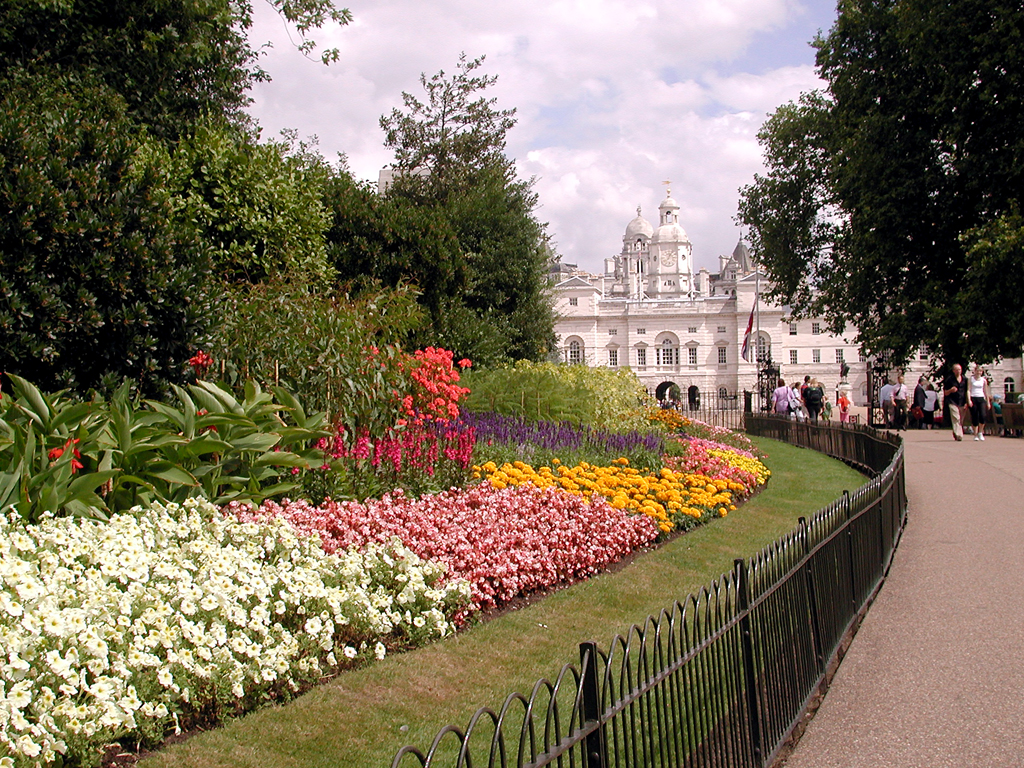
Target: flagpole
(757,310)
(757,306)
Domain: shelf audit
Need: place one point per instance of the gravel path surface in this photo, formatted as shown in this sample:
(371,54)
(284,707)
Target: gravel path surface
(935,676)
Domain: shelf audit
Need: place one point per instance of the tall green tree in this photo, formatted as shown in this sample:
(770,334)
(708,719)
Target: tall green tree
(394,241)
(877,185)
(450,163)
(443,143)
(172,61)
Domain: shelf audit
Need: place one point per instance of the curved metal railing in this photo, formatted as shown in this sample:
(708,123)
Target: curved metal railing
(723,677)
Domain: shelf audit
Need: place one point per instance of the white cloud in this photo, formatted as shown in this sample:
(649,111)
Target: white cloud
(612,98)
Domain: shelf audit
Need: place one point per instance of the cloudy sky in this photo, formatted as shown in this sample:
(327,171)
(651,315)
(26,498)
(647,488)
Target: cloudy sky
(613,97)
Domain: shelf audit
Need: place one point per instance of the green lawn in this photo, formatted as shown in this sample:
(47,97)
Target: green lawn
(364,716)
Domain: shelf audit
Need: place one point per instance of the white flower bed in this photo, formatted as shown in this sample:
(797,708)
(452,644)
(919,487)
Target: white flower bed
(114,628)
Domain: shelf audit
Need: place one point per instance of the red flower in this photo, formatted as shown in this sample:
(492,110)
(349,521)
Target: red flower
(465,363)
(200,363)
(56,453)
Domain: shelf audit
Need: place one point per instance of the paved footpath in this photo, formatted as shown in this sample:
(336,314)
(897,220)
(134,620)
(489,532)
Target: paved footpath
(935,676)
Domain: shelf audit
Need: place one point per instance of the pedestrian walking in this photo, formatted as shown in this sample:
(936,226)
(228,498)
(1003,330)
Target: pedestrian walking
(900,394)
(931,403)
(814,397)
(955,391)
(981,401)
(796,403)
(780,398)
(917,409)
(885,395)
(844,408)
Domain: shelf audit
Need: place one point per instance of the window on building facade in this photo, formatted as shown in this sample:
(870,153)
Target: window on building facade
(792,357)
(613,331)
(641,356)
(691,355)
(922,353)
(840,356)
(692,329)
(792,329)
(613,357)
(573,301)
(721,329)
(722,393)
(1008,385)
(668,353)
(721,356)
(861,357)
(641,331)
(764,348)
(815,329)
(575,352)
(815,355)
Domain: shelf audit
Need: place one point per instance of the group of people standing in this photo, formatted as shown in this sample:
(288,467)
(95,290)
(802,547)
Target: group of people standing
(960,393)
(806,401)
(899,410)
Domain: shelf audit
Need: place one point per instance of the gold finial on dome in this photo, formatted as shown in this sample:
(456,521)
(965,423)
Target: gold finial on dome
(668,188)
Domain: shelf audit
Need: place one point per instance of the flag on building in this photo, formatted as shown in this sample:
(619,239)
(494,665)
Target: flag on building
(746,338)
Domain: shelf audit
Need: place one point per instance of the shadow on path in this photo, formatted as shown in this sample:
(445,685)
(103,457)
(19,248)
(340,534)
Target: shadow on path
(935,675)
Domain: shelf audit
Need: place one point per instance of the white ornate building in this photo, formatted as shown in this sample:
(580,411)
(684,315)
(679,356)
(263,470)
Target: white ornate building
(650,311)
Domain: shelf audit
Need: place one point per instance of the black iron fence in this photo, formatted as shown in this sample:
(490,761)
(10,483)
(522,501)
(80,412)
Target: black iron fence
(722,678)
(721,409)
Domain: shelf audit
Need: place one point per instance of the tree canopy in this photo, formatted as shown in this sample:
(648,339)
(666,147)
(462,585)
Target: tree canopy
(133,185)
(172,62)
(891,196)
(451,166)
(442,144)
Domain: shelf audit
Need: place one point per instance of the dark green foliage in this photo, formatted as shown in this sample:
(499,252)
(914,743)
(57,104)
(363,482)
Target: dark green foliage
(873,184)
(172,62)
(392,241)
(441,145)
(96,283)
(506,261)
(996,255)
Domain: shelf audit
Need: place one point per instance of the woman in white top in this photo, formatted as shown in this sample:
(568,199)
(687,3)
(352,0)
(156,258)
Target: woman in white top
(981,401)
(931,404)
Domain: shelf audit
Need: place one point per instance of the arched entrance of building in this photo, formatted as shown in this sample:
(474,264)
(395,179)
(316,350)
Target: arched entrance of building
(693,397)
(667,390)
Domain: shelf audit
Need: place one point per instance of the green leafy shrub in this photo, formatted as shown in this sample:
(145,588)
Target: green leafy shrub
(97,283)
(318,344)
(256,205)
(599,397)
(98,457)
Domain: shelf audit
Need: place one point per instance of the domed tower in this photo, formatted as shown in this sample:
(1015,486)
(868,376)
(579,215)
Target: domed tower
(633,264)
(671,254)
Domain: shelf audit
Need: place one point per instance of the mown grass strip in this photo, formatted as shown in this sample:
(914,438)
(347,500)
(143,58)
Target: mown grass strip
(361,718)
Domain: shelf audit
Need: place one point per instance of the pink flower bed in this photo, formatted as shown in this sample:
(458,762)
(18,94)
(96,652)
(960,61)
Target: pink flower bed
(699,461)
(505,542)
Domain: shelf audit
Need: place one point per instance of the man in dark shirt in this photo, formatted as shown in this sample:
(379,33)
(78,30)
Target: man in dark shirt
(955,389)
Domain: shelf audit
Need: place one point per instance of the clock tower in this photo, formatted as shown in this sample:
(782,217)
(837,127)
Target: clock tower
(671,253)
